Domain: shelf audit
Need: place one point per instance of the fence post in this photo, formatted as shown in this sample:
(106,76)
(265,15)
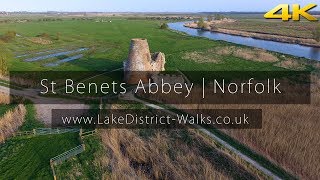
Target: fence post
(80,132)
(52,168)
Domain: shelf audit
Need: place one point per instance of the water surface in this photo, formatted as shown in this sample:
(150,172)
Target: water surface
(285,48)
(39,58)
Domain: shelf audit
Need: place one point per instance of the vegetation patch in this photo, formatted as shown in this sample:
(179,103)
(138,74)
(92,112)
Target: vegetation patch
(11,121)
(172,154)
(201,57)
(30,158)
(291,64)
(255,54)
(8,36)
(40,40)
(86,164)
(4,99)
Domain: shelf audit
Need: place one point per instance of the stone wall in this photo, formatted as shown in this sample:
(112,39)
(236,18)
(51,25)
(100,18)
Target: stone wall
(141,63)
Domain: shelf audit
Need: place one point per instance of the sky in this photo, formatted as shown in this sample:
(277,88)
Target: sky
(146,5)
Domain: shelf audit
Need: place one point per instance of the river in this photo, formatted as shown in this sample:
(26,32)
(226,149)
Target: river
(285,48)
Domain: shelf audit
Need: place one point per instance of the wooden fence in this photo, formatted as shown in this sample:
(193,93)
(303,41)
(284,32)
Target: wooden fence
(45,131)
(64,156)
(72,152)
(68,154)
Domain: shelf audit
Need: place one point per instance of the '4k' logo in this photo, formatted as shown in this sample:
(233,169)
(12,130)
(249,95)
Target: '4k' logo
(296,12)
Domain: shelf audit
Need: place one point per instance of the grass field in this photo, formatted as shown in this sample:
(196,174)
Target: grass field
(5,108)
(30,158)
(111,43)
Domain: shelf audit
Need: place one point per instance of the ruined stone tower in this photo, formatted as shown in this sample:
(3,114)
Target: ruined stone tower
(141,64)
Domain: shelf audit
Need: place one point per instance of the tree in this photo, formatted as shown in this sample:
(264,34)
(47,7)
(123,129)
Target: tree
(316,33)
(164,26)
(209,18)
(201,23)
(218,17)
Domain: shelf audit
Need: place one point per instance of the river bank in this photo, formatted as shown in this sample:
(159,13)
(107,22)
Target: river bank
(262,36)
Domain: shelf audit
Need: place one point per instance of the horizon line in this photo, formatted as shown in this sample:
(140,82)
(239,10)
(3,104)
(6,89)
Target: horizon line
(135,11)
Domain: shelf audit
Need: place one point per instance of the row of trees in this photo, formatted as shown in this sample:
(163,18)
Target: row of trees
(82,19)
(14,20)
(50,19)
(201,23)
(215,17)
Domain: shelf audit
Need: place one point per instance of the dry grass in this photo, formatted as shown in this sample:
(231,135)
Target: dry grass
(11,121)
(165,154)
(201,57)
(213,55)
(39,40)
(4,98)
(317,65)
(289,135)
(291,64)
(258,55)
(302,29)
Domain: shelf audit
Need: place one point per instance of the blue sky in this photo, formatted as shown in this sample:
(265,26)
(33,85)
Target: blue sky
(146,5)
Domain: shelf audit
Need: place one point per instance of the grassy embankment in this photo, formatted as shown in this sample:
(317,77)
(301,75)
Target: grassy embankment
(303,29)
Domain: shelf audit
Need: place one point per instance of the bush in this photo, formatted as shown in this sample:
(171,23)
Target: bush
(44,35)
(9,36)
(58,35)
(209,18)
(201,23)
(164,26)
(11,122)
(218,17)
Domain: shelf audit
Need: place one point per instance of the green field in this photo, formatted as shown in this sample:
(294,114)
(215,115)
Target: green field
(30,158)
(5,108)
(110,42)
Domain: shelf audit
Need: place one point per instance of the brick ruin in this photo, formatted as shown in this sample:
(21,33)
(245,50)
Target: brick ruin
(141,64)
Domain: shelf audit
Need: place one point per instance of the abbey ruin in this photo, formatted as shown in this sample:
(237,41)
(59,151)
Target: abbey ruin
(141,64)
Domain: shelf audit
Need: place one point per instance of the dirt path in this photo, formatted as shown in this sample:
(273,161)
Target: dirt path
(44,111)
